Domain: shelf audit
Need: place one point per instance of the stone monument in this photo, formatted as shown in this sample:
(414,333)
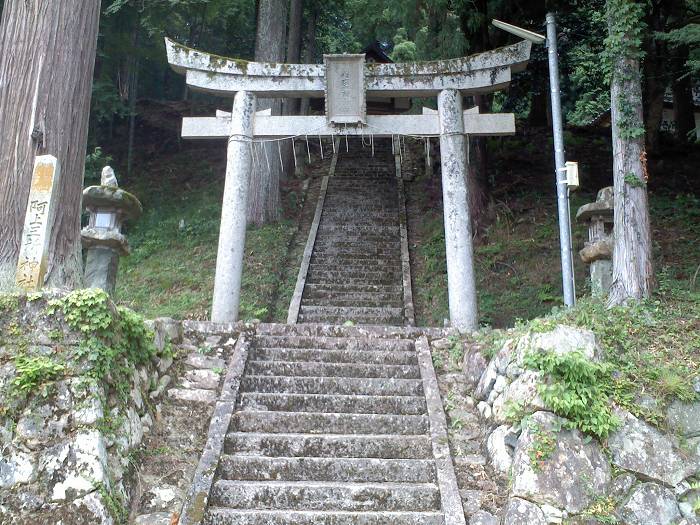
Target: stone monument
(109,207)
(598,250)
(38,220)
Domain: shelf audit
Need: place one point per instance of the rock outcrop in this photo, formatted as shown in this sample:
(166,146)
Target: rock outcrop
(557,473)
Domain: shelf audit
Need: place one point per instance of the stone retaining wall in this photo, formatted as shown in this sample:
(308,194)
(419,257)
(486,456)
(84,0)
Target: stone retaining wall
(639,475)
(68,442)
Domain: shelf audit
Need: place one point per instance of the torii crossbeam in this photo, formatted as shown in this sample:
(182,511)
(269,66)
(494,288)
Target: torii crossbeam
(345,81)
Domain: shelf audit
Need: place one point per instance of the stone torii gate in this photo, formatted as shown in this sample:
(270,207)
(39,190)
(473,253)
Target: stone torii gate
(345,81)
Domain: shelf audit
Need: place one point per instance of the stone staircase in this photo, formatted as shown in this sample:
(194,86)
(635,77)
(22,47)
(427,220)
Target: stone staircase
(327,425)
(356,268)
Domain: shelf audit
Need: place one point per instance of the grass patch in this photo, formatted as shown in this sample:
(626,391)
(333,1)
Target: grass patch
(174,253)
(517,260)
(653,345)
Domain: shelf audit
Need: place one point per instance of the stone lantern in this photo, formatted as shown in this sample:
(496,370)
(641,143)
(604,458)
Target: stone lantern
(598,249)
(109,207)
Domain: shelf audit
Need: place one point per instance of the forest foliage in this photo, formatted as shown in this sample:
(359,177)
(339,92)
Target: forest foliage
(131,44)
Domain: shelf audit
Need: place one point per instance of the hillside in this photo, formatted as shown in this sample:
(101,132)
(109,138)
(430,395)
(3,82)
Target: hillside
(180,185)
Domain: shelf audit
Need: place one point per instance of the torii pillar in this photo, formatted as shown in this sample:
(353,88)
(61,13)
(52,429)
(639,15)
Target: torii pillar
(461,284)
(239,165)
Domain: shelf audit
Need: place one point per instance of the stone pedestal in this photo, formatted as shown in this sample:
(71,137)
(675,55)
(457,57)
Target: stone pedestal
(458,231)
(229,259)
(101,266)
(598,249)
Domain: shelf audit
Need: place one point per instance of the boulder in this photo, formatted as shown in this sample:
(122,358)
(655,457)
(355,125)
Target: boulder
(558,480)
(481,517)
(638,447)
(649,504)
(16,469)
(522,391)
(562,340)
(684,418)
(621,485)
(487,380)
(473,366)
(523,512)
(500,453)
(155,518)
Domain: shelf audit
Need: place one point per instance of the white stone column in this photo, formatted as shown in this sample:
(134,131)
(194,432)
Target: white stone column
(229,260)
(458,229)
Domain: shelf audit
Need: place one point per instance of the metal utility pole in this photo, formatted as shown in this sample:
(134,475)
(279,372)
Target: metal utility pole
(560,172)
(561,167)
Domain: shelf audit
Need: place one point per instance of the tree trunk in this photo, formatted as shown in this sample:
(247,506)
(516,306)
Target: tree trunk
(270,43)
(46,68)
(633,276)
(291,106)
(683,107)
(477,175)
(654,81)
(309,53)
(133,81)
(296,12)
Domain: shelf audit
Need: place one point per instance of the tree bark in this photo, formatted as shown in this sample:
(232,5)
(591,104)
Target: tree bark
(270,43)
(477,175)
(633,276)
(654,81)
(291,106)
(133,81)
(309,52)
(683,107)
(47,59)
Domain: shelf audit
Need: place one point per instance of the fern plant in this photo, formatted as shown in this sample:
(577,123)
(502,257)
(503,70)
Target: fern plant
(576,389)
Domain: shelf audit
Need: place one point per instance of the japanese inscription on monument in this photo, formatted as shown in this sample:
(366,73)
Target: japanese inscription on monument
(31,264)
(345,89)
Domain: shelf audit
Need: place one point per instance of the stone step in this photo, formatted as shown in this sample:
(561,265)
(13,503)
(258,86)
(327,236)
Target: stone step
(364,241)
(312,337)
(364,170)
(348,217)
(332,250)
(345,207)
(342,273)
(342,295)
(359,228)
(328,445)
(347,248)
(304,495)
(393,264)
(379,357)
(359,320)
(342,313)
(342,184)
(361,212)
(329,423)
(303,369)
(400,405)
(384,196)
(386,243)
(371,194)
(225,516)
(361,281)
(315,290)
(332,385)
(395,301)
(347,221)
(351,470)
